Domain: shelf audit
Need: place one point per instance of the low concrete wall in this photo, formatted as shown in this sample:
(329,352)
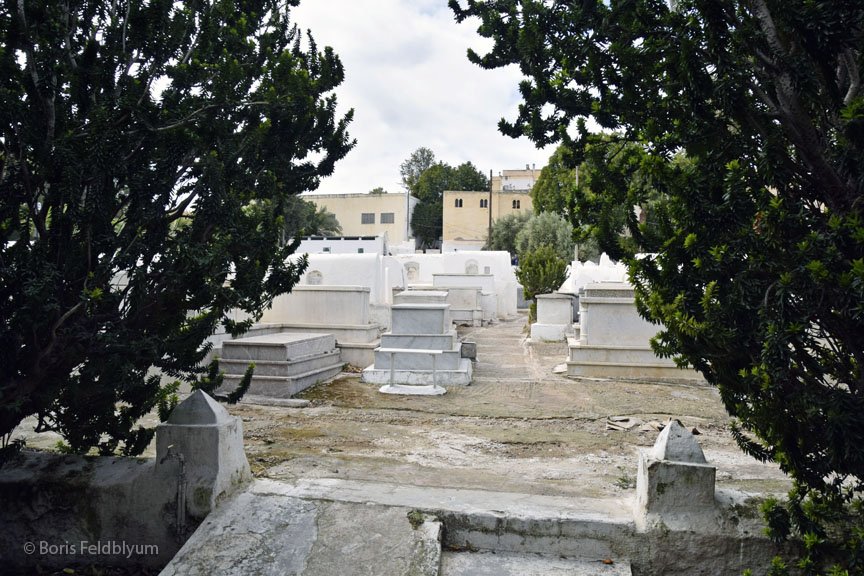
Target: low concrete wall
(63,511)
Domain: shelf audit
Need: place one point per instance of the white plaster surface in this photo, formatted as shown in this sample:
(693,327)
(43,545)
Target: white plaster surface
(675,484)
(580,274)
(421,319)
(498,263)
(614,341)
(324,304)
(554,309)
(404,390)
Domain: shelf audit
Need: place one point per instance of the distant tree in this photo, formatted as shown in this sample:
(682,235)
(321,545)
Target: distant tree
(468,177)
(553,190)
(414,166)
(504,231)
(433,182)
(546,229)
(378,190)
(325,223)
(148,149)
(540,271)
(426,223)
(430,187)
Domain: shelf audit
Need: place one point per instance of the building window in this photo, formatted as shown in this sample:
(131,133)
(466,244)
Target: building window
(359,250)
(367,218)
(458,203)
(484,203)
(388,218)
(516,204)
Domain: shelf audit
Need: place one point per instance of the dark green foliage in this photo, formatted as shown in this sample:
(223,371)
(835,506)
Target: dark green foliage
(553,190)
(540,271)
(429,185)
(427,222)
(439,177)
(504,231)
(414,166)
(758,236)
(303,218)
(148,154)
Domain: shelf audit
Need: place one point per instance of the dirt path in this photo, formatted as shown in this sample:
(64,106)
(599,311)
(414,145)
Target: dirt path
(519,427)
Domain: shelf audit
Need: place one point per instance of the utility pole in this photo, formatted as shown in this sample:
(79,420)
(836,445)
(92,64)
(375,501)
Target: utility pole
(489,237)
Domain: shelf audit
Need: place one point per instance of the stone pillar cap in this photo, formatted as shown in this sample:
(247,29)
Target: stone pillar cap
(677,444)
(199,408)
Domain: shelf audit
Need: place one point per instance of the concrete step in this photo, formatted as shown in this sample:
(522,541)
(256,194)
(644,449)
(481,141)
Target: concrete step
(293,367)
(278,347)
(446,341)
(490,563)
(615,354)
(460,377)
(408,359)
(259,533)
(283,386)
(576,528)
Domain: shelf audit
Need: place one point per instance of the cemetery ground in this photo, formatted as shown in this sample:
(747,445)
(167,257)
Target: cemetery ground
(522,442)
(519,427)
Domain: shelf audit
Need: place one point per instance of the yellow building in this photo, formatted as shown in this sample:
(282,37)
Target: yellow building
(370,214)
(467,213)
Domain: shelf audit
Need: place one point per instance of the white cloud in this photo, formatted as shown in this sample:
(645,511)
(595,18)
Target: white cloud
(410,83)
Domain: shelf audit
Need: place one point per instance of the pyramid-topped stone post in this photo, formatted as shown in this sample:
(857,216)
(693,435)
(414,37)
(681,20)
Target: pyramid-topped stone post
(675,483)
(202,444)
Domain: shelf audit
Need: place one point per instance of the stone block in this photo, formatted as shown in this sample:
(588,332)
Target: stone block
(420,297)
(421,319)
(469,350)
(420,341)
(277,347)
(408,359)
(207,443)
(549,332)
(460,377)
(675,483)
(555,309)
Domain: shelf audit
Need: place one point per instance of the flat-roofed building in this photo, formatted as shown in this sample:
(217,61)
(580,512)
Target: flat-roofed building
(467,213)
(372,215)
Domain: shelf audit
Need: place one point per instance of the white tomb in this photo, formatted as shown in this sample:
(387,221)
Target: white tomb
(464,300)
(421,350)
(614,341)
(342,311)
(554,318)
(466,305)
(285,363)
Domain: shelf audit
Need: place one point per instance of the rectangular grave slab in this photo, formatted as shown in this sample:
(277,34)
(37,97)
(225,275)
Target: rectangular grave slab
(277,347)
(420,297)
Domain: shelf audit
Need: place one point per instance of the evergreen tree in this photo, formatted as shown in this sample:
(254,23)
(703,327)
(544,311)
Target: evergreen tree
(148,149)
(757,270)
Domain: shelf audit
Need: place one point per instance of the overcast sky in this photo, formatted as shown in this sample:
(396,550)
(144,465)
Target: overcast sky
(410,83)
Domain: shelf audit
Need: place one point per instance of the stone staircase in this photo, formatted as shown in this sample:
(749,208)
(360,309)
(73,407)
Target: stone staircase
(285,363)
(342,528)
